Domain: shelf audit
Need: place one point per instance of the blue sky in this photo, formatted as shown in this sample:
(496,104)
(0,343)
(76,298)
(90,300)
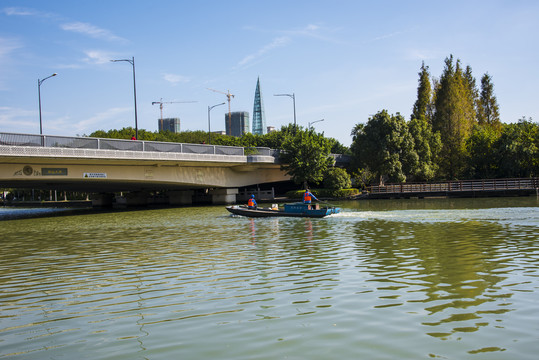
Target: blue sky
(343,60)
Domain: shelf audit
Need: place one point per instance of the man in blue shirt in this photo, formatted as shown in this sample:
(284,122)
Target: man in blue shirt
(251,204)
(307,196)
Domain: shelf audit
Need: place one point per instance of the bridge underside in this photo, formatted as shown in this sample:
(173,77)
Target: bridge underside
(140,177)
(137,172)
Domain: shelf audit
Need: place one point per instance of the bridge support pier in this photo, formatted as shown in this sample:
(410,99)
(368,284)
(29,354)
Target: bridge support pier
(136,198)
(184,197)
(223,196)
(102,200)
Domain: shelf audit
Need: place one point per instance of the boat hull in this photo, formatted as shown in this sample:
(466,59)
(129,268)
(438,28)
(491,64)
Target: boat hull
(292,210)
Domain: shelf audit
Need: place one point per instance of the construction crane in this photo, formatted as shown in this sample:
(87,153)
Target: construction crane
(161,102)
(229,96)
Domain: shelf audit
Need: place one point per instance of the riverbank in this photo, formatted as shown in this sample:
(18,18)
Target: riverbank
(50,204)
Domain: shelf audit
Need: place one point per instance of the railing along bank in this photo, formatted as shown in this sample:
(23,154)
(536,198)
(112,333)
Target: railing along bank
(460,185)
(14,139)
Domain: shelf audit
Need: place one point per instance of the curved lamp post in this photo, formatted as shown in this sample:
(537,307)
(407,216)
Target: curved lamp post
(293,96)
(132,62)
(39,82)
(315,122)
(209,126)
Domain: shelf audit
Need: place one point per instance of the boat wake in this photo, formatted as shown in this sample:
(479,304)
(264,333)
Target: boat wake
(511,216)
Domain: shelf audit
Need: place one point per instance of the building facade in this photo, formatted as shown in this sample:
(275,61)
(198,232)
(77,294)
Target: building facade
(169,124)
(259,116)
(239,123)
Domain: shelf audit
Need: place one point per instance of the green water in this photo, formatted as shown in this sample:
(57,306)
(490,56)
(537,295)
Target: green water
(407,279)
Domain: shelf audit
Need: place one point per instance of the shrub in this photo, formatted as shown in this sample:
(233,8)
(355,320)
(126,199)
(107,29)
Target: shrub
(337,178)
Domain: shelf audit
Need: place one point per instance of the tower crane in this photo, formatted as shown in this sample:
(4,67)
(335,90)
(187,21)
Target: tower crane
(229,96)
(161,102)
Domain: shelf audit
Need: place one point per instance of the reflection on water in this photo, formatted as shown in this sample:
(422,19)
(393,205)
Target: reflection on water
(383,280)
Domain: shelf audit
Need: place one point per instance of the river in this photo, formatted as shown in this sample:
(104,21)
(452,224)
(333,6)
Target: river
(395,279)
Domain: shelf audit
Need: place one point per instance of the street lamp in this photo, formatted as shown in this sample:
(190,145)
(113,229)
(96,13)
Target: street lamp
(314,122)
(132,62)
(209,127)
(39,82)
(293,96)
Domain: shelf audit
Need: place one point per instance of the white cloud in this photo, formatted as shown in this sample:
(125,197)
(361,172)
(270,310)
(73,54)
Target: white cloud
(276,43)
(175,79)
(7,46)
(315,32)
(385,36)
(18,120)
(417,54)
(19,11)
(91,31)
(104,120)
(98,57)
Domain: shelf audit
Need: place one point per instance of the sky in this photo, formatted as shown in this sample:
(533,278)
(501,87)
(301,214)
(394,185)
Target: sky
(343,60)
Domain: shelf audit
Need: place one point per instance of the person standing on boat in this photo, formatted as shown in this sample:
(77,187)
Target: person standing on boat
(308,196)
(251,204)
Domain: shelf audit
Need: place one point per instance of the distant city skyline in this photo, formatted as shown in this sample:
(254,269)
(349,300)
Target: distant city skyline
(343,60)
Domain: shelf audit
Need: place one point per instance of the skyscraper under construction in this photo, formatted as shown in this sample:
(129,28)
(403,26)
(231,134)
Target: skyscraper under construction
(259,117)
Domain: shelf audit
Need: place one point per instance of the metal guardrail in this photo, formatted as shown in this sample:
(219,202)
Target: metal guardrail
(14,139)
(456,186)
(33,140)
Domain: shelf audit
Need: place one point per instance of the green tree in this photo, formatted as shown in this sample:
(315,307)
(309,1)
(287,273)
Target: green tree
(454,117)
(424,94)
(482,160)
(305,156)
(518,149)
(427,145)
(487,109)
(337,178)
(384,146)
(471,93)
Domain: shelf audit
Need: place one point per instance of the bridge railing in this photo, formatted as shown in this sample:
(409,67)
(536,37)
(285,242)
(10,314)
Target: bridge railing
(461,185)
(14,139)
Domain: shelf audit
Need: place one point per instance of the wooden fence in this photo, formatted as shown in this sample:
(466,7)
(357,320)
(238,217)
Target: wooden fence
(457,186)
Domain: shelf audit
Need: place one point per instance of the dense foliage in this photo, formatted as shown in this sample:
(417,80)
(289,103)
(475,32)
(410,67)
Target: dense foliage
(337,178)
(454,132)
(305,156)
(385,146)
(273,140)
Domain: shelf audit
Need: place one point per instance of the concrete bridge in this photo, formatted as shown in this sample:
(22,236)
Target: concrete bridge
(106,166)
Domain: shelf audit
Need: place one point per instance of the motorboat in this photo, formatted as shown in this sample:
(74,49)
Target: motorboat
(294,210)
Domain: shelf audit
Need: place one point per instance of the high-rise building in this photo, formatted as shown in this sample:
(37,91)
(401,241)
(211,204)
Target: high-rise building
(169,124)
(259,117)
(239,123)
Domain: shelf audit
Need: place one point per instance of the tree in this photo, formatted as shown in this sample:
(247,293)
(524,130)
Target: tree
(424,94)
(518,149)
(487,109)
(337,178)
(305,156)
(454,117)
(481,145)
(384,146)
(471,94)
(427,145)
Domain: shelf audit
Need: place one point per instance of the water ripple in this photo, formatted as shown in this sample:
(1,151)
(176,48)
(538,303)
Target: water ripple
(196,284)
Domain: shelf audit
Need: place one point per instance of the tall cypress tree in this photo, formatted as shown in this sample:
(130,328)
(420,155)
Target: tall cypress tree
(487,109)
(472,93)
(453,118)
(424,93)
